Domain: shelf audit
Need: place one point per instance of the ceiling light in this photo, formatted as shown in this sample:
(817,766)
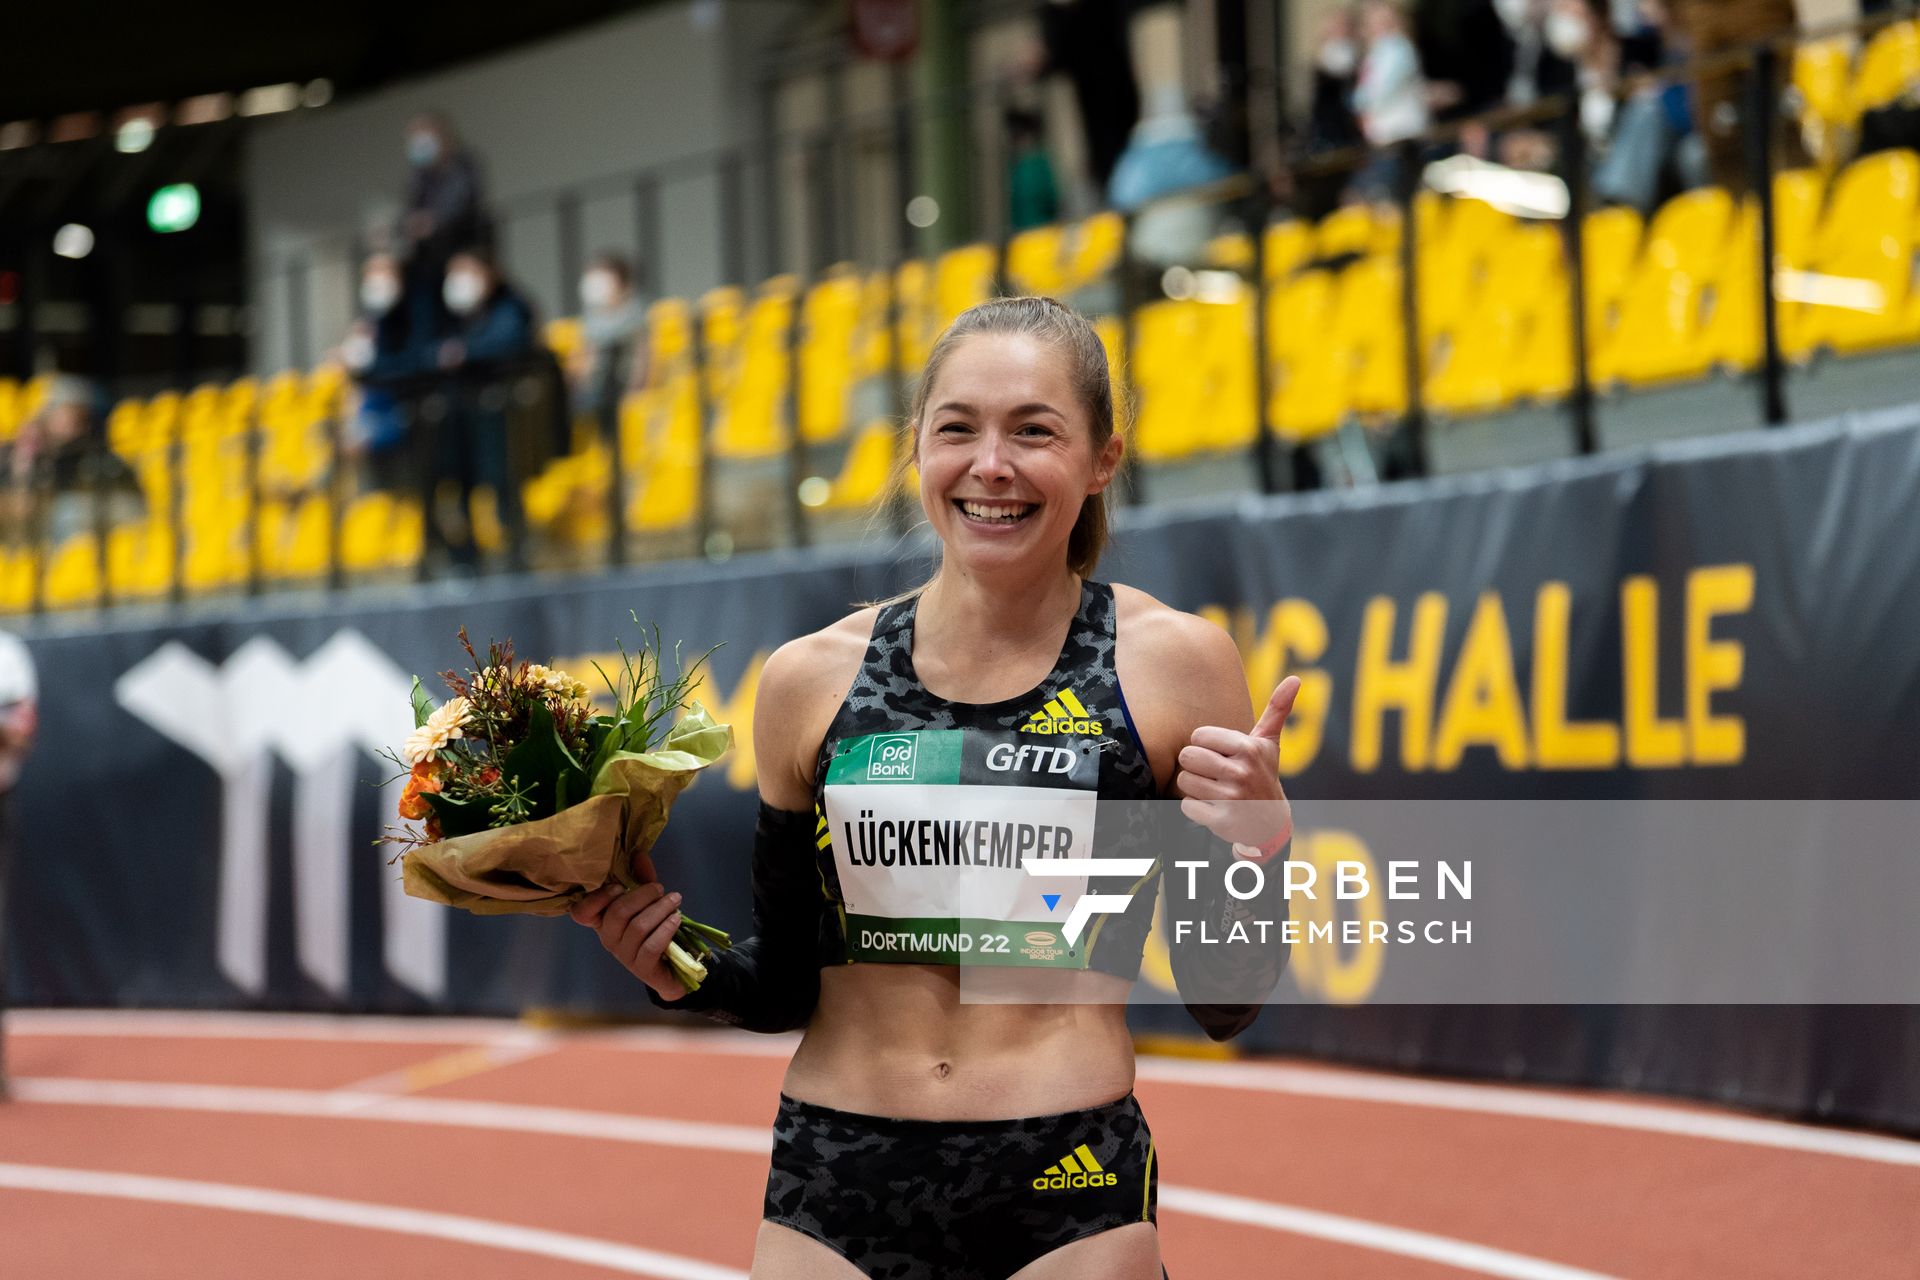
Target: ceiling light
(133,136)
(269,99)
(73,241)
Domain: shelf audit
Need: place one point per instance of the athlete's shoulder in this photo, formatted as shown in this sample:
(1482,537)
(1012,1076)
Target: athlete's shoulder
(1160,633)
(1180,671)
(801,687)
(821,661)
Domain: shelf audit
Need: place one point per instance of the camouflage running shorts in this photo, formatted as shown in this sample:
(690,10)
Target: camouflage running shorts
(957,1200)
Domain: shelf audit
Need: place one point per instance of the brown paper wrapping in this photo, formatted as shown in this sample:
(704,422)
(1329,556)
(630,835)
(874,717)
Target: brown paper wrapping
(542,868)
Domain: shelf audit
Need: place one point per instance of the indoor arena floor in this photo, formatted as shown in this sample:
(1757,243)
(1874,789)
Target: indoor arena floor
(178,1146)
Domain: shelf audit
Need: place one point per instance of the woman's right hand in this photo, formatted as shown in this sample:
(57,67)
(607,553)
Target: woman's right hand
(636,925)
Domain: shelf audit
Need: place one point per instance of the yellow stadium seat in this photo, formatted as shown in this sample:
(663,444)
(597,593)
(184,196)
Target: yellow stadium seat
(1090,249)
(1352,229)
(19,402)
(962,278)
(1611,241)
(747,370)
(1369,336)
(1166,380)
(869,465)
(1033,261)
(1822,74)
(1231,252)
(140,560)
(1288,245)
(73,573)
(19,568)
(669,496)
(407,534)
(1889,66)
(1479,366)
(1659,336)
(830,321)
(564,337)
(366,532)
(1308,395)
(1866,239)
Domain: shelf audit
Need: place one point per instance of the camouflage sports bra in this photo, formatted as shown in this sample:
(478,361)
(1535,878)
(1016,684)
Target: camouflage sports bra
(932,817)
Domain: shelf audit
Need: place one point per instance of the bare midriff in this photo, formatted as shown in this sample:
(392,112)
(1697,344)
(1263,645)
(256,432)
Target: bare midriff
(918,1042)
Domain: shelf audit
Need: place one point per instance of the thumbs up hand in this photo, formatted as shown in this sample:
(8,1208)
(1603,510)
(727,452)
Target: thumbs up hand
(1230,781)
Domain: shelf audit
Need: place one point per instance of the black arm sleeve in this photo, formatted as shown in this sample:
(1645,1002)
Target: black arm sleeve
(771,981)
(1225,981)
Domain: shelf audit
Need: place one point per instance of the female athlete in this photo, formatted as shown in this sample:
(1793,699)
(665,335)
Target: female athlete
(921,1135)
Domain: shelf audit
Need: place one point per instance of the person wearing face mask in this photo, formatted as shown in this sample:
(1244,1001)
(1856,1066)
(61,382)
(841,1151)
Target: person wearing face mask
(1331,124)
(444,212)
(612,358)
(383,355)
(491,340)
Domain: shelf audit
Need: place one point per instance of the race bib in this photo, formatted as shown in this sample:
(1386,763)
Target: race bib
(933,833)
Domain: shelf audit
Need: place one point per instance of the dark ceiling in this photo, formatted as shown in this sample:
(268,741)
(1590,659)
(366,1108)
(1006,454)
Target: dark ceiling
(81,56)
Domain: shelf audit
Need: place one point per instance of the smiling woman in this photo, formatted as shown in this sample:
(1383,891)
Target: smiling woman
(918,762)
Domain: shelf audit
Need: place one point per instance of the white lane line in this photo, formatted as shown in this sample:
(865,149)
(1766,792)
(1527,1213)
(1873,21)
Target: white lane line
(1533,1105)
(377,1029)
(344,1104)
(1363,1234)
(624,1258)
(698,1136)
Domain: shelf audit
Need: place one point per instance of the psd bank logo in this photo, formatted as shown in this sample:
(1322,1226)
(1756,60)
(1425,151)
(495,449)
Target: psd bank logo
(892,759)
(318,716)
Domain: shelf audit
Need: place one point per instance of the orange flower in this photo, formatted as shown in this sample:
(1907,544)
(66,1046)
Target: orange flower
(433,829)
(426,779)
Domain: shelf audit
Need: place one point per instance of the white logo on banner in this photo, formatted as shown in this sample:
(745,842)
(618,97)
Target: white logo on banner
(317,716)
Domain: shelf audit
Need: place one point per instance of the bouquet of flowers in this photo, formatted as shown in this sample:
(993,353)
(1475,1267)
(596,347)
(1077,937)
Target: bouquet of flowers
(531,801)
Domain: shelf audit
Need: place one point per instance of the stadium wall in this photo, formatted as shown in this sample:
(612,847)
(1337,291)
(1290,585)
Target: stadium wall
(1721,619)
(678,80)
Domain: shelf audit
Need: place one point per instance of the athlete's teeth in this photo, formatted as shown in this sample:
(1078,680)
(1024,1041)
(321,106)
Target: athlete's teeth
(992,513)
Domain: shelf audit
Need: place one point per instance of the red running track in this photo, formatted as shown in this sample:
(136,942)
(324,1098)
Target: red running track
(178,1146)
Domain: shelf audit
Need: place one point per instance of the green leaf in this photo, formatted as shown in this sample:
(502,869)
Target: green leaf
(422,704)
(458,817)
(541,762)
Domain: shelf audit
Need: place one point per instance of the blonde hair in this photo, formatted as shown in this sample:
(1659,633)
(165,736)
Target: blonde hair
(1067,332)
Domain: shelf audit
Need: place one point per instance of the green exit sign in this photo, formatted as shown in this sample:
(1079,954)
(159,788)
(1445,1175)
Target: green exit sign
(174,208)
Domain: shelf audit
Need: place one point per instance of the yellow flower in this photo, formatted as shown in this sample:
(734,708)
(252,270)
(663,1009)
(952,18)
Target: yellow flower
(557,682)
(445,724)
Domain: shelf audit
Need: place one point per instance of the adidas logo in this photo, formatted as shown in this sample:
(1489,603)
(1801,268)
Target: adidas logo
(1074,1172)
(1064,713)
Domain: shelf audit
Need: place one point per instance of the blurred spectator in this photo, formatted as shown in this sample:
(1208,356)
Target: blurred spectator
(19,720)
(1714,27)
(1167,154)
(56,465)
(444,213)
(1086,41)
(1390,97)
(1549,38)
(1653,145)
(1467,54)
(1033,199)
(491,338)
(386,357)
(1331,124)
(612,359)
